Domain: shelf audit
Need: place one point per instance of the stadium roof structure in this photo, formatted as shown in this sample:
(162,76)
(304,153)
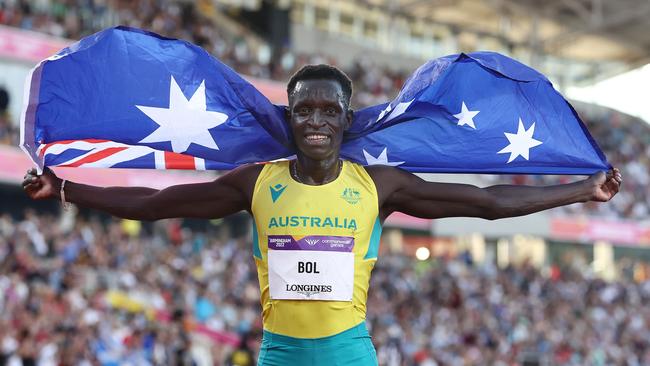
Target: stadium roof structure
(602,38)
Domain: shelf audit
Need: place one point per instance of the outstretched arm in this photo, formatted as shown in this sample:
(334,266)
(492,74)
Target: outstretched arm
(225,195)
(410,194)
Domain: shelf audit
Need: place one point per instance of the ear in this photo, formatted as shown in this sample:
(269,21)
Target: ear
(287,114)
(349,118)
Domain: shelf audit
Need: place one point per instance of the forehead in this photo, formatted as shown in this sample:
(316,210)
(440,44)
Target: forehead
(317,90)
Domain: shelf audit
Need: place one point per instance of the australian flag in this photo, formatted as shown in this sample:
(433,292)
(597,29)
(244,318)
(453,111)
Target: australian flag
(127,98)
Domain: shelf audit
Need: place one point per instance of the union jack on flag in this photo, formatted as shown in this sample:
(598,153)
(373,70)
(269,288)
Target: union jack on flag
(94,153)
(127,98)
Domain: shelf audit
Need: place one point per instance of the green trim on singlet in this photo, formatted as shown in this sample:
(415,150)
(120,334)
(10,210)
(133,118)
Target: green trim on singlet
(373,245)
(352,347)
(257,253)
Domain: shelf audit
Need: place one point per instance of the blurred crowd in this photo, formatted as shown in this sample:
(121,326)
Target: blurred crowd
(192,21)
(82,292)
(626,141)
(456,313)
(78,291)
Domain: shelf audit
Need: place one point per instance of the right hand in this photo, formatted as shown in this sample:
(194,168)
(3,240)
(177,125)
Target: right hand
(605,186)
(39,187)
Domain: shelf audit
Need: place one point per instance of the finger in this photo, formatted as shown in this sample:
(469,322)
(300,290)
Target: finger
(28,179)
(35,187)
(603,178)
(33,182)
(29,188)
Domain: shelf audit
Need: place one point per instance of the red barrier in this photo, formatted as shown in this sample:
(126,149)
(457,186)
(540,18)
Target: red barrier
(32,47)
(590,230)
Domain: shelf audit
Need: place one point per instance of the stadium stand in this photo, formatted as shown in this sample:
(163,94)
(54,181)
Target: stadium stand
(78,289)
(373,83)
(624,139)
(82,291)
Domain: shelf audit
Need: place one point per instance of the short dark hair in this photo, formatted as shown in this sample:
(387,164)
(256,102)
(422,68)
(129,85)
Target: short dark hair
(322,71)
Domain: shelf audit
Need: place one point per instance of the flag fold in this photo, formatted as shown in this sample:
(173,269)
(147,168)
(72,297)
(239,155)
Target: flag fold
(127,98)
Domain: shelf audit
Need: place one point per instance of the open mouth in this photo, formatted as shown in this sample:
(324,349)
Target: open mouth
(317,139)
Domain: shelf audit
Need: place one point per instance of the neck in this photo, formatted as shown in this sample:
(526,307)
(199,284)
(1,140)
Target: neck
(316,172)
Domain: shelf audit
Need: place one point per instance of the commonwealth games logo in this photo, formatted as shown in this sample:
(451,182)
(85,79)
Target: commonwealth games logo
(312,242)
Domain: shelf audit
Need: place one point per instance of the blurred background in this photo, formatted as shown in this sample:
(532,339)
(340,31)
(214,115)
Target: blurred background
(570,286)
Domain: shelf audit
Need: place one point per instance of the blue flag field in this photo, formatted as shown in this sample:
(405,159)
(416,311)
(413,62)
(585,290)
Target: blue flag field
(127,98)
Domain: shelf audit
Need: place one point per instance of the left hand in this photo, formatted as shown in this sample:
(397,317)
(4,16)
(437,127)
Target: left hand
(605,186)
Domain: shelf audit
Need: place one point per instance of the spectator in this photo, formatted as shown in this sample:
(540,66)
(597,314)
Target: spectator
(147,301)
(625,140)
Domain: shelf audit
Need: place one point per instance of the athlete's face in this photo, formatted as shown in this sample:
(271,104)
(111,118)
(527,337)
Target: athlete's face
(319,116)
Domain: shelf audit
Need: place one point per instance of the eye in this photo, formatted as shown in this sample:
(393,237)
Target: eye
(331,111)
(304,111)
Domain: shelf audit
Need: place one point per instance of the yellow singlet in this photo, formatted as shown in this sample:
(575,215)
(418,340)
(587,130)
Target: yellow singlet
(314,247)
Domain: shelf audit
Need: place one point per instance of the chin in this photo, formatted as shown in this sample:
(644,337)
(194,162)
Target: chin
(317,153)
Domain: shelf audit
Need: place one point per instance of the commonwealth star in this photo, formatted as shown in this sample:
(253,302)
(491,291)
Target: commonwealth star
(186,121)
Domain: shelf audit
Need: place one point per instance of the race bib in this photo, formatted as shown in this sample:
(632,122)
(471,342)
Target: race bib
(315,267)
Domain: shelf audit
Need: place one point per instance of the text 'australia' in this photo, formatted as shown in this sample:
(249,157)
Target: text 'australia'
(312,221)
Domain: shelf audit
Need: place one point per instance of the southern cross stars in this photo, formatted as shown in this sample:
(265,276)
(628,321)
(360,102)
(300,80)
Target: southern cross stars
(185,121)
(400,108)
(521,142)
(465,117)
(382,159)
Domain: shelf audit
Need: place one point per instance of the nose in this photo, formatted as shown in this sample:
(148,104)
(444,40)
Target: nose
(317,119)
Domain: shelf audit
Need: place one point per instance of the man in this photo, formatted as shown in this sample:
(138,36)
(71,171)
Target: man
(318,221)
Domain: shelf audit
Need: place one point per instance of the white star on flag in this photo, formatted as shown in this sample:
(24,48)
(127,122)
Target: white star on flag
(382,159)
(465,117)
(521,142)
(185,121)
(400,108)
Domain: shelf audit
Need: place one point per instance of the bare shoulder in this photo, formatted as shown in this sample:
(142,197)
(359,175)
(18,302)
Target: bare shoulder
(385,171)
(244,173)
(389,179)
(242,178)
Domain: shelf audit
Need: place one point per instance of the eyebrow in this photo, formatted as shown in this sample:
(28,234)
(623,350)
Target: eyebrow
(336,104)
